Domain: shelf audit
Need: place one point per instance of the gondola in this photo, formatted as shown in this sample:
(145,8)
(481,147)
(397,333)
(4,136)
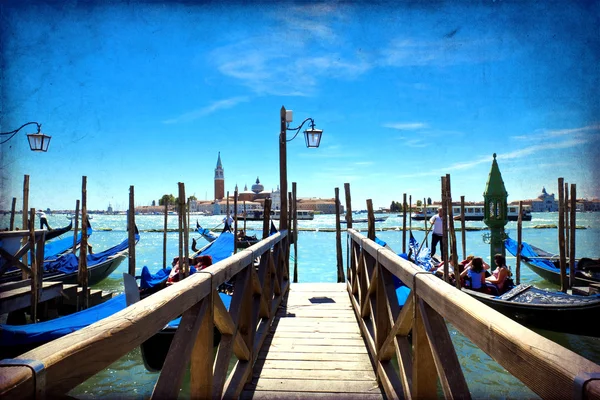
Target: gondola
(530,306)
(363,220)
(17,339)
(546,265)
(549,310)
(65,268)
(54,233)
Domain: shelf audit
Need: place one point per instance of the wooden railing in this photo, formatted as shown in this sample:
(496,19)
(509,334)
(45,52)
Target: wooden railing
(258,290)
(546,368)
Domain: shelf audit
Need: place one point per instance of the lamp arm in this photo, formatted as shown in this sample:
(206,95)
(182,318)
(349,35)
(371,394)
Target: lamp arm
(13,133)
(312,122)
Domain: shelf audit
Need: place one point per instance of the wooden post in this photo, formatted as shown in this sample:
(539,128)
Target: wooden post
(183,262)
(131,232)
(165,234)
(25,222)
(348,205)
(83,247)
(462,227)
(572,237)
(519,242)
(227,213)
(425,220)
(283,171)
(180,232)
(235,220)
(186,233)
(404,223)
(34,271)
(371,218)
(338,238)
(567,221)
(290,214)
(561,236)
(266,218)
(244,205)
(13,210)
(76,224)
(444,249)
(295,232)
(454,248)
(409,212)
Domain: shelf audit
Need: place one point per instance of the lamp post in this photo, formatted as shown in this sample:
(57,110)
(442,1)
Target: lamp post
(37,141)
(313,140)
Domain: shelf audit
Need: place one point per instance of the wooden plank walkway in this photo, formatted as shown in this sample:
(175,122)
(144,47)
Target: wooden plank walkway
(314,349)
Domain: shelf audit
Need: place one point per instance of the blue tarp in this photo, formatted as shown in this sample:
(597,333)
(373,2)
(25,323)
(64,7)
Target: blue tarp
(69,262)
(55,247)
(219,250)
(53,329)
(530,255)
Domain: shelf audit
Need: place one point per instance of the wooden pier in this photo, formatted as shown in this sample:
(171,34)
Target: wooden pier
(314,349)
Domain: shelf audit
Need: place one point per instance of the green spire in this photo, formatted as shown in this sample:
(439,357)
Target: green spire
(495,185)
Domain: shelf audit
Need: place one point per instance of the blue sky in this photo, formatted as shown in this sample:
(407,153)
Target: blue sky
(148,93)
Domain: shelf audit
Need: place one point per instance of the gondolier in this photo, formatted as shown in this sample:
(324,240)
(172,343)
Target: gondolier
(43,220)
(437,232)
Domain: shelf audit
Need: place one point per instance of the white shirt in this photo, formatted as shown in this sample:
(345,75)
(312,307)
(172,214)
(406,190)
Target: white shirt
(438,225)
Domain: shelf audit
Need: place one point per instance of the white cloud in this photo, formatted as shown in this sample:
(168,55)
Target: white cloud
(406,126)
(210,109)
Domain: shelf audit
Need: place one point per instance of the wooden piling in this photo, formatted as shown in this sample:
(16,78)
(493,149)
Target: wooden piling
(348,206)
(561,236)
(83,249)
(180,232)
(131,232)
(348,225)
(463,232)
(425,220)
(295,232)
(444,249)
(572,237)
(25,222)
(266,218)
(519,242)
(76,224)
(34,271)
(235,220)
(567,221)
(186,233)
(338,238)
(404,223)
(371,219)
(454,249)
(165,233)
(409,212)
(13,209)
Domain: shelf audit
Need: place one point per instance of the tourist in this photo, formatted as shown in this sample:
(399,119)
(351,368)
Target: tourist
(500,274)
(474,273)
(437,232)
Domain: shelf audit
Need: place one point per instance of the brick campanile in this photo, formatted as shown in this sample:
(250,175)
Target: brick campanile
(219,180)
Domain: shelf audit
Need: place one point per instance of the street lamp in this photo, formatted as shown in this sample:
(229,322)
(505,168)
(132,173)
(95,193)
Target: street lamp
(313,140)
(37,141)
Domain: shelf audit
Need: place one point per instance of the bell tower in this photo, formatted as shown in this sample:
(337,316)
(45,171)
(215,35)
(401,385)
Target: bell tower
(219,180)
(495,210)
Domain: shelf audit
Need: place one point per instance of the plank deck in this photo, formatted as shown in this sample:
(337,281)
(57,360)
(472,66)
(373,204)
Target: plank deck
(314,349)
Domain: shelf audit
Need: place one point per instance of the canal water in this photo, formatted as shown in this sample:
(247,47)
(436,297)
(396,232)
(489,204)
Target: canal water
(127,377)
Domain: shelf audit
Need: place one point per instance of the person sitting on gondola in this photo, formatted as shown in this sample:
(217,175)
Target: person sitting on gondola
(474,275)
(196,264)
(499,277)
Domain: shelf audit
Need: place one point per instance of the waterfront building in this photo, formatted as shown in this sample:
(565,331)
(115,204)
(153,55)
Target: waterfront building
(219,180)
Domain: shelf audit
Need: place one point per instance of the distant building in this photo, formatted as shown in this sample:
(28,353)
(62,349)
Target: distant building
(544,202)
(219,180)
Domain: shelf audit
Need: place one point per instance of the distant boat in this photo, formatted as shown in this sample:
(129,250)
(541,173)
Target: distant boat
(472,213)
(302,215)
(546,265)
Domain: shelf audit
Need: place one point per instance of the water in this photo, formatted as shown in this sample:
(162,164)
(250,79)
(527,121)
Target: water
(317,263)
